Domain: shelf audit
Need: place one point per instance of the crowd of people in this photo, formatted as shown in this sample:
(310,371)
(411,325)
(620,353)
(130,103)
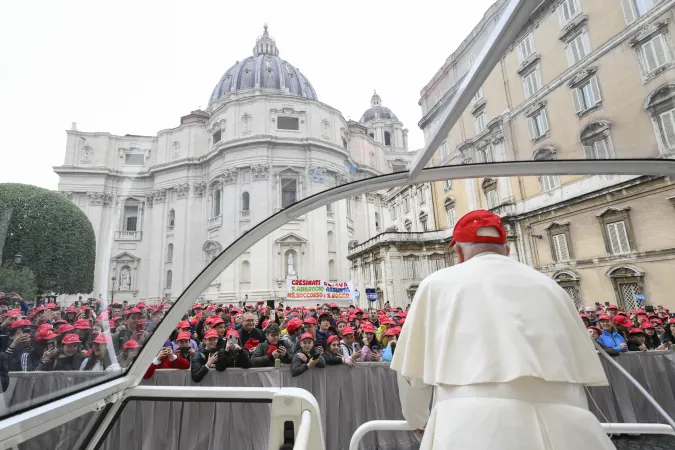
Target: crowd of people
(44,336)
(49,337)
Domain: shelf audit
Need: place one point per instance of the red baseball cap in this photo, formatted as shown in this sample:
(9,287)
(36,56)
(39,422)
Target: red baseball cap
(71,339)
(183,324)
(82,324)
(597,330)
(232,331)
(130,344)
(647,325)
(306,336)
(20,324)
(347,330)
(45,335)
(623,321)
(310,320)
(368,328)
(293,325)
(613,307)
(65,328)
(103,338)
(183,336)
(636,331)
(466,228)
(332,339)
(604,317)
(211,334)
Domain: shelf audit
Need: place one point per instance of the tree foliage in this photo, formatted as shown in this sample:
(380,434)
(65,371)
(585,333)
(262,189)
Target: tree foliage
(53,236)
(19,280)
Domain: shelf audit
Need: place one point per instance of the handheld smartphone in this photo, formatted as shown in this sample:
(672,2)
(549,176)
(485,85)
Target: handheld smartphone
(233,338)
(375,348)
(51,345)
(649,309)
(316,356)
(184,352)
(606,303)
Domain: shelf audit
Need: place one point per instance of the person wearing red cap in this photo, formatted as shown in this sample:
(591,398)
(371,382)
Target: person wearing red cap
(348,345)
(208,357)
(266,353)
(636,340)
(70,356)
(610,337)
(308,357)
(133,329)
(167,358)
(333,354)
(612,310)
(390,346)
(41,356)
(293,331)
(669,333)
(652,341)
(235,355)
(505,382)
(19,343)
(99,360)
(370,345)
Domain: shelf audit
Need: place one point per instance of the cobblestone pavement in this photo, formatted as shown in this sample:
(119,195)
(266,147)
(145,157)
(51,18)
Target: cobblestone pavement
(645,443)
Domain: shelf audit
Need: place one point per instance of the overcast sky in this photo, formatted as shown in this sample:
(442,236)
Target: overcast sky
(137,66)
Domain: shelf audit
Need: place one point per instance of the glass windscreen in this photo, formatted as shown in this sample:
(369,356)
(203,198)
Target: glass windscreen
(99,237)
(583,81)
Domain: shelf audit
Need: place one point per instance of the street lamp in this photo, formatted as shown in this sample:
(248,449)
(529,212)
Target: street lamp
(112,290)
(17,259)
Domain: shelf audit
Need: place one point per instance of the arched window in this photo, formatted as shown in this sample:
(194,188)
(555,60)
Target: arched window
(245,198)
(660,105)
(172,218)
(423,221)
(377,221)
(569,281)
(332,274)
(169,279)
(387,138)
(628,282)
(131,212)
(597,141)
(489,186)
(547,182)
(215,202)
(331,241)
(245,272)
(450,212)
(169,253)
(408,225)
(289,192)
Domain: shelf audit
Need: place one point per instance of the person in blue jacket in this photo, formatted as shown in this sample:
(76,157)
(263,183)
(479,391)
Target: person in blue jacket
(610,337)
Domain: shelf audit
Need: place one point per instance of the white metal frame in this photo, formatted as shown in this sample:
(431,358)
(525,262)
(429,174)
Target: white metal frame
(31,423)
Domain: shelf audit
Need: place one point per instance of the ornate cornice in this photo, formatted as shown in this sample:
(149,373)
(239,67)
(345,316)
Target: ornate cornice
(182,189)
(199,189)
(99,198)
(230,175)
(582,76)
(260,171)
(647,31)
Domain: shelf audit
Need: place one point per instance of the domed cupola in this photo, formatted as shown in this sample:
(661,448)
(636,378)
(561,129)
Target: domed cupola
(264,71)
(377,111)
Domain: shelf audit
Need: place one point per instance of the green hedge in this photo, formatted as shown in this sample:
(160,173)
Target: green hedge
(53,236)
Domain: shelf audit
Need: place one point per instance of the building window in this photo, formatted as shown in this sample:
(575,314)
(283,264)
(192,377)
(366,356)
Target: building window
(169,253)
(377,221)
(444,150)
(245,201)
(371,135)
(169,279)
(587,96)
(547,182)
(134,159)
(387,138)
(480,122)
(288,192)
(560,241)
(525,47)
(331,241)
(617,231)
(245,275)
(377,265)
(408,225)
(567,10)
(596,140)
(490,190)
(633,9)
(447,185)
(628,283)
(478,96)
(660,105)
(538,125)
(211,250)
(332,273)
(597,150)
(423,221)
(288,123)
(667,127)
(217,136)
(654,54)
(349,207)
(421,192)
(450,212)
(410,267)
(406,204)
(532,82)
(577,48)
(484,155)
(172,218)
(436,263)
(130,222)
(216,202)
(570,284)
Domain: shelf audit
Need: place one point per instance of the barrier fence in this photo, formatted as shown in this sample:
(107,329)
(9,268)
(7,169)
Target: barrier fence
(347,398)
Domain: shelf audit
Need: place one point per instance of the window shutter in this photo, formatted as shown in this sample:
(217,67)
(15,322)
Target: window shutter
(668,125)
(588,152)
(649,56)
(544,122)
(578,102)
(613,238)
(622,236)
(533,128)
(629,12)
(561,250)
(586,43)
(601,150)
(596,90)
(660,50)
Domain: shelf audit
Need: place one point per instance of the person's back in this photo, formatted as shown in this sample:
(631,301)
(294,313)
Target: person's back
(514,382)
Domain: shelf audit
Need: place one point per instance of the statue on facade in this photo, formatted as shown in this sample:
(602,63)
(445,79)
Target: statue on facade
(291,270)
(125,280)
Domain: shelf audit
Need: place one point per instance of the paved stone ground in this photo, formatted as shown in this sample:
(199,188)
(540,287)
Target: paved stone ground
(645,443)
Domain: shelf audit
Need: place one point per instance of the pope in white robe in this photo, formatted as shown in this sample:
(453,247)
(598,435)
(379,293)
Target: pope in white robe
(499,350)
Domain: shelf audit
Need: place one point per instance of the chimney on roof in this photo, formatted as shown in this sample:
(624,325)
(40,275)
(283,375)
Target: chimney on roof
(73,126)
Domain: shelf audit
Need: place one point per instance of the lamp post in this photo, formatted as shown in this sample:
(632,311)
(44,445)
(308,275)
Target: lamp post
(112,290)
(17,259)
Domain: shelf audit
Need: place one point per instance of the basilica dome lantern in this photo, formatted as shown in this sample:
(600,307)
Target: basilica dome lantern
(383,125)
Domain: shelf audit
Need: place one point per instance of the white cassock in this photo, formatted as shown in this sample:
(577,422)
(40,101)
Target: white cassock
(508,356)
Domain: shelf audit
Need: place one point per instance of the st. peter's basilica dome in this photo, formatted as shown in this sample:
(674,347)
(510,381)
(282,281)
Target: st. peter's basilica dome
(377,111)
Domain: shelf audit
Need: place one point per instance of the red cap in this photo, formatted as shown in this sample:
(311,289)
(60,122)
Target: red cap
(133,311)
(333,305)
(230,332)
(103,338)
(659,321)
(293,325)
(65,328)
(82,324)
(111,324)
(604,317)
(401,322)
(636,331)
(183,324)
(211,308)
(641,311)
(45,326)
(251,344)
(44,335)
(183,336)
(72,309)
(647,325)
(265,323)
(71,339)
(216,321)
(130,344)
(466,228)
(368,328)
(597,330)
(20,324)
(210,334)
(140,304)
(306,336)
(52,306)
(671,321)
(13,312)
(198,306)
(622,321)
(332,339)
(310,320)
(347,330)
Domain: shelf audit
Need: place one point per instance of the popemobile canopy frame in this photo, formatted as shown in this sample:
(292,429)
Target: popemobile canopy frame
(110,395)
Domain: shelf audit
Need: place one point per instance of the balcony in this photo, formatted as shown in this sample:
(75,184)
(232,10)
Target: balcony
(215,222)
(128,235)
(391,237)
